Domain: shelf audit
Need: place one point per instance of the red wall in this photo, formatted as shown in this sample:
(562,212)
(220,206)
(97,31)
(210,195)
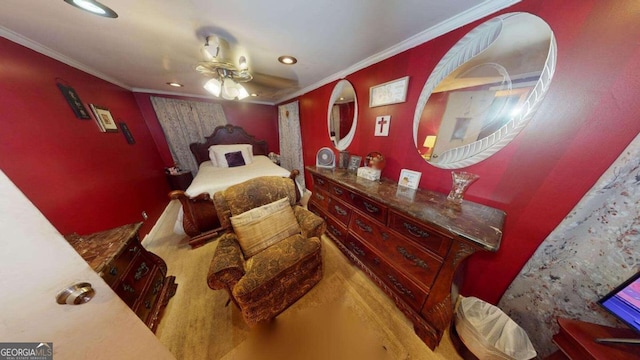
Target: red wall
(258,120)
(588,117)
(81,179)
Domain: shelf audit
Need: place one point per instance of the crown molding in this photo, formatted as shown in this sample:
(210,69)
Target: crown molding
(475,13)
(37,47)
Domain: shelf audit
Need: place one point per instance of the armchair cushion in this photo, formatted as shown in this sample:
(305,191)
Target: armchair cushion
(264,226)
(265,270)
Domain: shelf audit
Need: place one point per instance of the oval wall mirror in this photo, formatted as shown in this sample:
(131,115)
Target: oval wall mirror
(484,90)
(342,115)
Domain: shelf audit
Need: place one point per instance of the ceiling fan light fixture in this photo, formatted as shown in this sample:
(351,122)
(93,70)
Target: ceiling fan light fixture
(93,7)
(287,60)
(175,84)
(214,86)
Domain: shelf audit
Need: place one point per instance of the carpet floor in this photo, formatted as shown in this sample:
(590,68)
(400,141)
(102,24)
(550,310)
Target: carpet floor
(345,316)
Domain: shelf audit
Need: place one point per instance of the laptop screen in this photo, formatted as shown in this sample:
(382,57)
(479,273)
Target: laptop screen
(624,302)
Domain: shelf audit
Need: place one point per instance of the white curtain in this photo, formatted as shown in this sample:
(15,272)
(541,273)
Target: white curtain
(594,249)
(185,122)
(290,140)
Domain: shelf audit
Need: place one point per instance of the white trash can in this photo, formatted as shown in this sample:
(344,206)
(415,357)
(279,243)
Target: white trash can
(489,333)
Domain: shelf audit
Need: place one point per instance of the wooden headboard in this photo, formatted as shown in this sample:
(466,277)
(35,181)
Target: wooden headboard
(225,135)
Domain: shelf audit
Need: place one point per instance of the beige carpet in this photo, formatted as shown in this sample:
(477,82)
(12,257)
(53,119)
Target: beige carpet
(345,316)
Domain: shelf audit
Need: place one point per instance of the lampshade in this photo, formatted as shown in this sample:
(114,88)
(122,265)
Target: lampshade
(242,92)
(429,141)
(214,86)
(229,89)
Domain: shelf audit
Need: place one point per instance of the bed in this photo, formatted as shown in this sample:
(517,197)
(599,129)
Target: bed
(197,217)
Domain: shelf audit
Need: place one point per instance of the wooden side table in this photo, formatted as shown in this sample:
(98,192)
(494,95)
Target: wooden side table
(576,340)
(180,181)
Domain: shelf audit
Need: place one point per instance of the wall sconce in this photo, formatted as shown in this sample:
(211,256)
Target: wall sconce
(429,142)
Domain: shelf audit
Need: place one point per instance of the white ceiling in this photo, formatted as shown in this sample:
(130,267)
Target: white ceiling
(153,42)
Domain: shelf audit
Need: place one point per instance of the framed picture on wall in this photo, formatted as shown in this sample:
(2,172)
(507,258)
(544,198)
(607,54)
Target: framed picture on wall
(103,118)
(74,101)
(392,92)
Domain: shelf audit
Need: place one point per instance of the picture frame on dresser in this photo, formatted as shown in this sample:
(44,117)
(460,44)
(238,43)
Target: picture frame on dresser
(409,178)
(354,162)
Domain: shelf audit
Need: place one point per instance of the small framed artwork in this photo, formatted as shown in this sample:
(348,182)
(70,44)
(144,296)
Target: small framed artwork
(74,101)
(354,162)
(392,92)
(104,118)
(127,133)
(409,178)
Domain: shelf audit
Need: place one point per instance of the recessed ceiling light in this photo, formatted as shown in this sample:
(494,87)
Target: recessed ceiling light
(93,7)
(174,84)
(254,94)
(287,60)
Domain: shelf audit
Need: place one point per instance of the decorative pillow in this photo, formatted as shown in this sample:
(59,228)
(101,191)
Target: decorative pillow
(234,158)
(259,228)
(217,153)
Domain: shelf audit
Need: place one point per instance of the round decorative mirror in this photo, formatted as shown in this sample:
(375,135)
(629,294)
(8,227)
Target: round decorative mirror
(342,115)
(484,90)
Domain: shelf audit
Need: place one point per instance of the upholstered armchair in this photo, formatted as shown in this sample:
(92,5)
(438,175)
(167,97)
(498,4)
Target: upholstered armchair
(271,254)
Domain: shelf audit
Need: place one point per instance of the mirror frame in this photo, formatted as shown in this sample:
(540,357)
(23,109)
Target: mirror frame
(473,43)
(345,141)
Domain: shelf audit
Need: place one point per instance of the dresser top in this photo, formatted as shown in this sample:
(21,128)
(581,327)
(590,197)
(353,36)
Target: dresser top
(471,221)
(98,249)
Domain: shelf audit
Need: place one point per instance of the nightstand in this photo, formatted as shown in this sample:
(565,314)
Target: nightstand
(180,181)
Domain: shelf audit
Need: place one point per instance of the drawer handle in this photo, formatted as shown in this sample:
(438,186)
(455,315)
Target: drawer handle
(113,271)
(134,249)
(415,231)
(158,286)
(142,271)
(385,236)
(371,208)
(376,261)
(335,231)
(400,287)
(319,196)
(340,210)
(320,181)
(409,256)
(337,190)
(128,288)
(356,249)
(363,226)
(147,304)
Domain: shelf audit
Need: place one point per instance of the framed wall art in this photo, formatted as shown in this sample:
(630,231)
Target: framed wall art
(103,118)
(74,101)
(392,92)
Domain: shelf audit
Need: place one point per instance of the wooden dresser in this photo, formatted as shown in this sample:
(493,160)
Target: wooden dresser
(409,242)
(138,276)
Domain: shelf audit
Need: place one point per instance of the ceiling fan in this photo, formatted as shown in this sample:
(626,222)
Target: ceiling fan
(225,75)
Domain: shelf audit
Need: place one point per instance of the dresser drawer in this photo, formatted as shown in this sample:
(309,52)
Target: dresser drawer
(320,183)
(339,210)
(148,301)
(414,261)
(372,208)
(336,229)
(133,283)
(408,290)
(117,267)
(320,199)
(420,234)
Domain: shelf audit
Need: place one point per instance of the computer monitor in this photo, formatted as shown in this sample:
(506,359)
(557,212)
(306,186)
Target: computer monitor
(623,302)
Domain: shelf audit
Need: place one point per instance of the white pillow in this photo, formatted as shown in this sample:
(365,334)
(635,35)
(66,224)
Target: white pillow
(217,152)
